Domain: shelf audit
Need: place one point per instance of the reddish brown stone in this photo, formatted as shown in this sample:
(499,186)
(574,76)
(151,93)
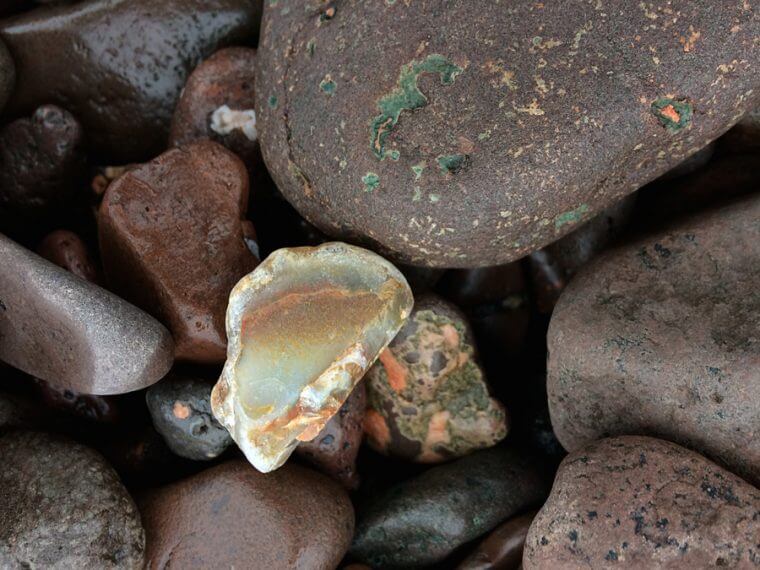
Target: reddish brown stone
(232,516)
(659,337)
(638,502)
(503,548)
(67,250)
(225,78)
(334,450)
(172,242)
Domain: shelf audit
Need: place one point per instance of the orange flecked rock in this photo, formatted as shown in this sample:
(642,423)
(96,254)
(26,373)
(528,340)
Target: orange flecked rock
(172,240)
(303,328)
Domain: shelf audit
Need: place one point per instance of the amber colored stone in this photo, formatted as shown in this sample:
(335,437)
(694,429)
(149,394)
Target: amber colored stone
(172,241)
(305,326)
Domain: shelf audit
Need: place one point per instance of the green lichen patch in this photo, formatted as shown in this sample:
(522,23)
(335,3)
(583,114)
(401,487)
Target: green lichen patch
(371,181)
(272,102)
(327,85)
(452,163)
(674,115)
(417,169)
(311,46)
(571,217)
(407,97)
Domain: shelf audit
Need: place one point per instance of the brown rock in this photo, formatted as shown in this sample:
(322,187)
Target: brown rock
(659,337)
(233,516)
(503,548)
(171,236)
(218,103)
(335,449)
(72,333)
(42,161)
(119,65)
(638,502)
(66,249)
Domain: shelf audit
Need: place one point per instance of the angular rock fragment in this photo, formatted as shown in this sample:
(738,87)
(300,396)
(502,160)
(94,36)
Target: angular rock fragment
(73,333)
(119,65)
(424,519)
(334,450)
(303,329)
(63,506)
(231,516)
(639,502)
(660,337)
(172,237)
(181,411)
(428,400)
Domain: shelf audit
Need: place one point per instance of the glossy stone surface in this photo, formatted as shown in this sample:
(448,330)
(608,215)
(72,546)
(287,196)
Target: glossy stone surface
(7,75)
(659,337)
(172,241)
(67,331)
(231,516)
(42,161)
(63,506)
(503,548)
(119,65)
(639,502)
(67,250)
(428,400)
(334,450)
(217,102)
(303,329)
(422,520)
(482,135)
(181,411)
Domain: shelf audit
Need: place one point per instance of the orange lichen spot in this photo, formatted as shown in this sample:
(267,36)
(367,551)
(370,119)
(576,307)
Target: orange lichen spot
(450,335)
(670,113)
(396,371)
(377,429)
(181,410)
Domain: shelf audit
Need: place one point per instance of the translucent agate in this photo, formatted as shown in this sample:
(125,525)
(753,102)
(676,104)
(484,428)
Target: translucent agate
(302,330)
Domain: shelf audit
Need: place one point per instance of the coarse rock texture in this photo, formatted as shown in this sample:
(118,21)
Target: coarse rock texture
(428,400)
(503,548)
(67,250)
(639,502)
(660,337)
(72,333)
(119,65)
(422,520)
(7,75)
(303,329)
(335,449)
(217,102)
(172,240)
(481,135)
(42,161)
(232,516)
(181,411)
(62,506)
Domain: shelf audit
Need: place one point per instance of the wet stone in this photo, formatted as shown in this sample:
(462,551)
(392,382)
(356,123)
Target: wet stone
(7,75)
(659,337)
(503,548)
(305,326)
(640,502)
(217,102)
(200,522)
(477,140)
(63,506)
(42,161)
(181,412)
(335,449)
(67,250)
(72,333)
(428,400)
(119,66)
(422,520)
(172,241)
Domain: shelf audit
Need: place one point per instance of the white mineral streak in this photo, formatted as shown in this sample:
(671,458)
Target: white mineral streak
(279,388)
(225,120)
